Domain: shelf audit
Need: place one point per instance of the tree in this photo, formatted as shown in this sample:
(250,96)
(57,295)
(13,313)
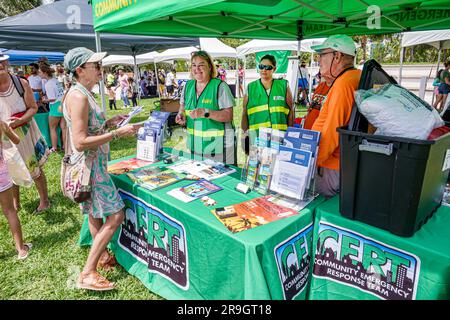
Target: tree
(13,7)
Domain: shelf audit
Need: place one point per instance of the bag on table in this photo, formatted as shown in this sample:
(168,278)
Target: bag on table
(76,176)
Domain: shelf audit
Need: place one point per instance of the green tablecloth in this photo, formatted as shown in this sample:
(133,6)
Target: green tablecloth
(358,261)
(42,122)
(181,251)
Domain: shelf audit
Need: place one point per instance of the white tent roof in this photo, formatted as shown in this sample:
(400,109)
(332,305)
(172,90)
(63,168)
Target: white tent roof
(215,47)
(128,60)
(433,38)
(266,45)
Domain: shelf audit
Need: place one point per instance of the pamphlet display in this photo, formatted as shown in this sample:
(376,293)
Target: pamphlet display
(150,137)
(283,163)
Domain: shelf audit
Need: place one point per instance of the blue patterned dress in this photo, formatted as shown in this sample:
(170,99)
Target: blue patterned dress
(105,199)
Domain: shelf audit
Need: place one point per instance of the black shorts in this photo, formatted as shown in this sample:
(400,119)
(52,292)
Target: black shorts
(169,89)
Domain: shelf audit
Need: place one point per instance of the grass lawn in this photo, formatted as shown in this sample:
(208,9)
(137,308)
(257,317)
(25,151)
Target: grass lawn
(51,269)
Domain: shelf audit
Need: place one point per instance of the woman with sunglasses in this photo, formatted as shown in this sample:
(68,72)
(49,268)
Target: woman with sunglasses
(267,102)
(87,133)
(206,107)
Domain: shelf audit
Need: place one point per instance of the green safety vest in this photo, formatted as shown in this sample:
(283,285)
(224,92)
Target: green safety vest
(267,111)
(205,136)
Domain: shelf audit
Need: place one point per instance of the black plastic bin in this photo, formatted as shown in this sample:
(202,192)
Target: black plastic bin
(391,183)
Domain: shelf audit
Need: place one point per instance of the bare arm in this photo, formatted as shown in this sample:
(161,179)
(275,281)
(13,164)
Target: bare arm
(244,121)
(9,132)
(289,101)
(78,108)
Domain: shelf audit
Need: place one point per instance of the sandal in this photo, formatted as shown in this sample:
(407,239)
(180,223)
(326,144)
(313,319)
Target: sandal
(24,256)
(39,211)
(107,263)
(94,281)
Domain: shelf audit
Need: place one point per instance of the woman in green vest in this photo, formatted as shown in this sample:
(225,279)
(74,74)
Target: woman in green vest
(206,107)
(267,101)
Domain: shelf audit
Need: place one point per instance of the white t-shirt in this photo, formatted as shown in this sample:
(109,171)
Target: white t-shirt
(43,82)
(169,79)
(54,89)
(35,82)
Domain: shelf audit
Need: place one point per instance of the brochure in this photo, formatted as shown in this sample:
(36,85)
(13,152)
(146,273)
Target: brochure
(292,172)
(265,170)
(206,169)
(296,136)
(250,172)
(250,214)
(195,190)
(127,166)
(290,203)
(136,110)
(156,179)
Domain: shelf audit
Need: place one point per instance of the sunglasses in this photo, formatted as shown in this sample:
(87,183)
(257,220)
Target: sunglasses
(96,65)
(265,67)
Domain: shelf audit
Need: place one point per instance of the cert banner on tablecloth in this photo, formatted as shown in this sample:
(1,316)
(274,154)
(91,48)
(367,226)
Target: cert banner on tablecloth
(352,259)
(293,258)
(155,239)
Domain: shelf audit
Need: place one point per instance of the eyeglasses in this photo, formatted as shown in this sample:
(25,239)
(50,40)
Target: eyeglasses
(265,67)
(324,53)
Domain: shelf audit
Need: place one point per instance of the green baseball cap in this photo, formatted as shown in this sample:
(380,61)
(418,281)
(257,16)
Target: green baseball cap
(78,56)
(338,42)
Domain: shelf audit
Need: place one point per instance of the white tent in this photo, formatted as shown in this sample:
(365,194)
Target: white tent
(266,45)
(129,60)
(215,47)
(440,39)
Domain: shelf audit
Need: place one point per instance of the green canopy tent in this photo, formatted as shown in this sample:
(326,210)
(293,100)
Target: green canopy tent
(269,19)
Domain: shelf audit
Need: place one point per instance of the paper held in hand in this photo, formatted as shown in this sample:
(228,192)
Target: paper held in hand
(136,110)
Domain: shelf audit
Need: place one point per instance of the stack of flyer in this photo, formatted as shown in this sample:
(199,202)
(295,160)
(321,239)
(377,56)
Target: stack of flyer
(150,137)
(295,164)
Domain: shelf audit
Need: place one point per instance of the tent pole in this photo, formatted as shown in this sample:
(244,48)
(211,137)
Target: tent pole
(237,79)
(437,68)
(310,77)
(157,79)
(402,54)
(98,46)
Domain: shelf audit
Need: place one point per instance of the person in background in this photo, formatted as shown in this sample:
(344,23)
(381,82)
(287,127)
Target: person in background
(111,96)
(143,85)
(62,76)
(336,62)
(241,75)
(303,83)
(267,102)
(170,83)
(34,79)
(21,75)
(132,92)
(54,93)
(32,147)
(162,81)
(222,73)
(444,88)
(206,107)
(6,194)
(318,98)
(124,87)
(87,133)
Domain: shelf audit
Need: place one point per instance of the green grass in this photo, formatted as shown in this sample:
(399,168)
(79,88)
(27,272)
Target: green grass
(51,269)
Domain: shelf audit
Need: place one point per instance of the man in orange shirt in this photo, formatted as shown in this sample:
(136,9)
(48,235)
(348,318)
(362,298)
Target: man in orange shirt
(336,61)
